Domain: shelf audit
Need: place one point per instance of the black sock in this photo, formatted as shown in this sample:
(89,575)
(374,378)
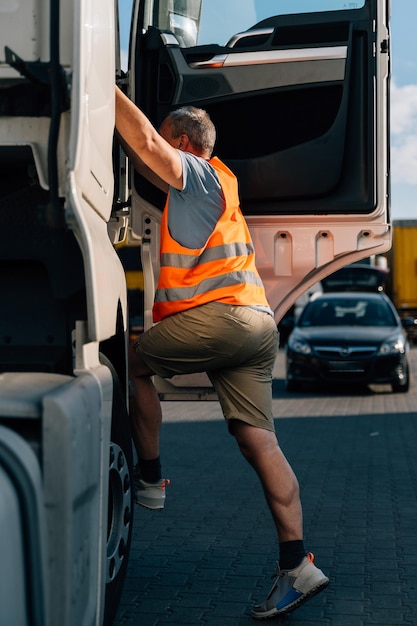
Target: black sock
(150,471)
(291,553)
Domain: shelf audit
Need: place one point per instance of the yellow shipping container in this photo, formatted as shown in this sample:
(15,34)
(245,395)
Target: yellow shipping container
(404,266)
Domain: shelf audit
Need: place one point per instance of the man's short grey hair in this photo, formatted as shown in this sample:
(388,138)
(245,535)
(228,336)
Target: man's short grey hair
(198,127)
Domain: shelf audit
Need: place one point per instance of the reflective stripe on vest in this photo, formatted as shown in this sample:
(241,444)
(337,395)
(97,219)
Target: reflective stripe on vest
(188,261)
(206,285)
(222,271)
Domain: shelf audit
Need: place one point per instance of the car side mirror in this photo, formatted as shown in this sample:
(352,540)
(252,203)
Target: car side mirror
(408,322)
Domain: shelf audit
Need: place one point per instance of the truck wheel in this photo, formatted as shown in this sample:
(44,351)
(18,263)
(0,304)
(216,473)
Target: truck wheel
(120,507)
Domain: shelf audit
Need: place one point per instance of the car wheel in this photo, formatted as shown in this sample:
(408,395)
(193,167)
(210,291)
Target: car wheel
(404,386)
(120,506)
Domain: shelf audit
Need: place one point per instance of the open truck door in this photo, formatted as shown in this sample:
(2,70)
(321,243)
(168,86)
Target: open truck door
(300,103)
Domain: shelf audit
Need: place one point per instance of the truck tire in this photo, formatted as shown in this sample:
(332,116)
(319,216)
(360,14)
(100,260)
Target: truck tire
(121,503)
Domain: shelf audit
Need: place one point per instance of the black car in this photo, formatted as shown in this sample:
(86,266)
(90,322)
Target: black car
(348,338)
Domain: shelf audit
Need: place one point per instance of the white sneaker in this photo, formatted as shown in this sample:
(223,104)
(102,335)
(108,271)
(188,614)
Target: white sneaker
(292,588)
(150,495)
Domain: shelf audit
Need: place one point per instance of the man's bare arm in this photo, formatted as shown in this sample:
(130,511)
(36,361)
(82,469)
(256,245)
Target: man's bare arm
(145,146)
(140,166)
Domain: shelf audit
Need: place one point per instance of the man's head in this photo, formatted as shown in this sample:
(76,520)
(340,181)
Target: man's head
(190,126)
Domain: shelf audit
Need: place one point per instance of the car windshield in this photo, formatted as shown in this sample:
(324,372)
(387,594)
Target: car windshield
(200,22)
(347,312)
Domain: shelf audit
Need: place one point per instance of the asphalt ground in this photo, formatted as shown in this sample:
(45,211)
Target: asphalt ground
(208,557)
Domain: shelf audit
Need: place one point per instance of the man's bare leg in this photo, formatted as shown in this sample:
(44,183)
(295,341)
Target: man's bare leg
(297,579)
(145,408)
(260,448)
(145,420)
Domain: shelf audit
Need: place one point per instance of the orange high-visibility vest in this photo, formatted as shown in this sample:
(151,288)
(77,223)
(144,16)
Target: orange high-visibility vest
(222,271)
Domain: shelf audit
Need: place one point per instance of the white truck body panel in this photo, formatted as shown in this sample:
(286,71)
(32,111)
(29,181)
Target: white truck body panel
(86,135)
(81,544)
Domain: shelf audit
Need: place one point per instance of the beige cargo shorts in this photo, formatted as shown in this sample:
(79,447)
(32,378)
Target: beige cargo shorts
(235,345)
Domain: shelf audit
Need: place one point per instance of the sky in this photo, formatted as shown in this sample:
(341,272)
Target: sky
(403,103)
(403,109)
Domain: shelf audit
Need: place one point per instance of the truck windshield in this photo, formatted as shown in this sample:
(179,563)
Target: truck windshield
(200,22)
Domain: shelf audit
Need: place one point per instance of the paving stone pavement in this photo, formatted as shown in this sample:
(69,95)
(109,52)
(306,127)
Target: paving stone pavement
(208,557)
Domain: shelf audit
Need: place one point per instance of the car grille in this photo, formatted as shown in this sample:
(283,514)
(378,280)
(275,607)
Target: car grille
(353,362)
(346,367)
(345,352)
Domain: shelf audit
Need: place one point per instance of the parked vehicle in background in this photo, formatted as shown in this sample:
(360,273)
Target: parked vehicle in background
(356,277)
(402,283)
(353,277)
(349,339)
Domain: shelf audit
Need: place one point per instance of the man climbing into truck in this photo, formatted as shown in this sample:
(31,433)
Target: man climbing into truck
(212,315)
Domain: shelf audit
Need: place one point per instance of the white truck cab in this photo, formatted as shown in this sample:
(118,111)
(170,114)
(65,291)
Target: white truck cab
(299,97)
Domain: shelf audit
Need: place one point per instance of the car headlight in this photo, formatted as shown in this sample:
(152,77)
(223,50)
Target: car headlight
(394,345)
(297,345)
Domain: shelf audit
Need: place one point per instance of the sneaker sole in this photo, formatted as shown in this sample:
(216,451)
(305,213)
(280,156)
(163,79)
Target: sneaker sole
(150,507)
(294,605)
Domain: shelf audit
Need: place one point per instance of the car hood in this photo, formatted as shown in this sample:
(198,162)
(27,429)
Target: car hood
(330,335)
